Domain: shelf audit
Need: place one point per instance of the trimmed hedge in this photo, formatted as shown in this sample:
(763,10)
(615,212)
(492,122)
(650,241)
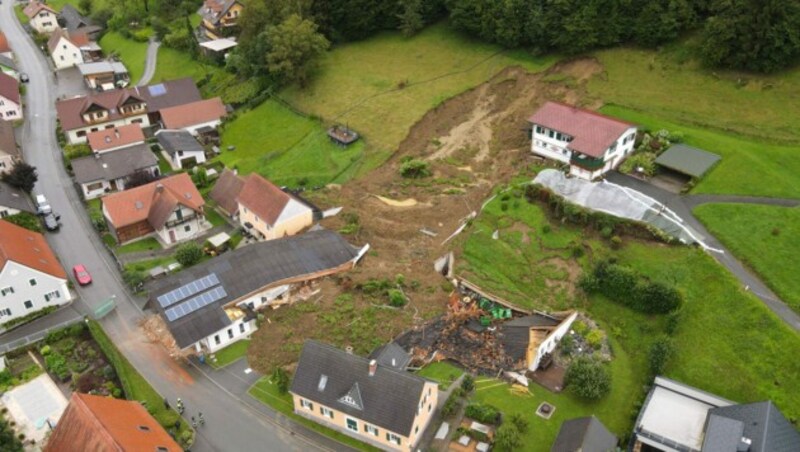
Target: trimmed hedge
(626,286)
(483,413)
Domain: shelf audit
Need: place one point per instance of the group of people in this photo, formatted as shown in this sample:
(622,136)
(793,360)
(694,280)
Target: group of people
(181,408)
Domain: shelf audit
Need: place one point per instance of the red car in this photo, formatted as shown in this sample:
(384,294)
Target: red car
(82,275)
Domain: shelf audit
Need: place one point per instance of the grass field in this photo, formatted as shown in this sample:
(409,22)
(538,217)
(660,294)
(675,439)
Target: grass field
(133,54)
(669,84)
(357,83)
(148,244)
(442,373)
(229,354)
(723,330)
(268,393)
(286,148)
(172,64)
(767,238)
(749,166)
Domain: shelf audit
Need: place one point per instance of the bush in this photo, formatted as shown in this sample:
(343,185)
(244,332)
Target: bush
(57,364)
(546,229)
(26,220)
(508,437)
(396,298)
(624,285)
(567,344)
(595,338)
(415,169)
(468,383)
(660,353)
(74,151)
(673,322)
(519,421)
(588,378)
(133,278)
(616,242)
(483,413)
(188,254)
(580,327)
(281,380)
(450,405)
(646,161)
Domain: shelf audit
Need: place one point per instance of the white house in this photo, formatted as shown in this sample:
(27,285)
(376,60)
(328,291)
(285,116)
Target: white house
(269,212)
(591,143)
(103,173)
(68,49)
(31,278)
(10,100)
(43,18)
(181,149)
(80,116)
(527,340)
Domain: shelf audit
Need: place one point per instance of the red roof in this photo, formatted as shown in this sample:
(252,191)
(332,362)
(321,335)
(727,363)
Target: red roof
(592,132)
(4,43)
(95,423)
(153,202)
(263,198)
(115,137)
(226,190)
(27,248)
(193,114)
(77,38)
(9,87)
(34,7)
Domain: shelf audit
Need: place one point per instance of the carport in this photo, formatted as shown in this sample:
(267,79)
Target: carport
(681,163)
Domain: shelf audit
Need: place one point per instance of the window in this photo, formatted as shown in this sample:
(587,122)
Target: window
(5,311)
(32,282)
(429,407)
(539,129)
(551,133)
(179,214)
(54,294)
(230,333)
(216,339)
(306,404)
(392,438)
(242,328)
(3,213)
(352,424)
(28,304)
(187,228)
(80,133)
(144,428)
(6,290)
(328,413)
(371,429)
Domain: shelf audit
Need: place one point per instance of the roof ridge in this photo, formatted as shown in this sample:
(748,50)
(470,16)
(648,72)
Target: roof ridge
(592,112)
(366,360)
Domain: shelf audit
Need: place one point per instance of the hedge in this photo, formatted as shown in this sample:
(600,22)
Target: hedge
(626,286)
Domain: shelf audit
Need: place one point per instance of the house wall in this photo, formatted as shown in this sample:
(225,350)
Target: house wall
(194,226)
(7,162)
(295,217)
(549,344)
(44,22)
(177,161)
(10,110)
(237,331)
(98,188)
(193,128)
(66,54)
(18,277)
(7,211)
(549,147)
(73,138)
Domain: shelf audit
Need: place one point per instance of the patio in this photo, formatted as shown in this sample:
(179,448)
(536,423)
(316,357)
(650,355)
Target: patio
(36,406)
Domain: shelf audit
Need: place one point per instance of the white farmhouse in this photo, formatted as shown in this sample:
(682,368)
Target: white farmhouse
(43,18)
(591,143)
(10,100)
(31,278)
(70,49)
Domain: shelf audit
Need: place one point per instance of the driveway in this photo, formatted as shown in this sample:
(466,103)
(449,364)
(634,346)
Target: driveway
(231,423)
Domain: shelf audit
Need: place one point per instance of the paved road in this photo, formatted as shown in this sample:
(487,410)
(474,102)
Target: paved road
(232,424)
(150,62)
(682,206)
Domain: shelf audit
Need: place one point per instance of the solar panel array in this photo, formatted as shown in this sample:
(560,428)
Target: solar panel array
(186,291)
(195,303)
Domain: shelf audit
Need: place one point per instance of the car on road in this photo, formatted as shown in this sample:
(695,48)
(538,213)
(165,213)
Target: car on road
(52,221)
(42,207)
(23,77)
(82,275)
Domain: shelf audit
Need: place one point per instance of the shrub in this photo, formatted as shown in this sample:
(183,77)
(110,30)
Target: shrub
(616,242)
(606,232)
(624,285)
(673,322)
(567,344)
(580,327)
(646,161)
(504,206)
(776,231)
(660,353)
(519,421)
(396,298)
(188,254)
(577,251)
(546,229)
(468,383)
(483,413)
(57,364)
(133,278)
(415,169)
(588,378)
(595,338)
(74,151)
(281,380)
(450,404)
(508,437)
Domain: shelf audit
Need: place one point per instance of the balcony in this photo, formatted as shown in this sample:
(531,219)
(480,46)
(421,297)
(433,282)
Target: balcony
(586,162)
(185,219)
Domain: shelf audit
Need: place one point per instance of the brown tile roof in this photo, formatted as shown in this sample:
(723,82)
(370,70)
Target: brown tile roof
(9,87)
(152,202)
(115,137)
(193,114)
(263,198)
(8,144)
(28,248)
(95,423)
(592,132)
(34,7)
(77,38)
(70,111)
(4,43)
(226,190)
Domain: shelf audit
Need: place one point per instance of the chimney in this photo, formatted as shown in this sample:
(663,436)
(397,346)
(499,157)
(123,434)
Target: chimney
(373,366)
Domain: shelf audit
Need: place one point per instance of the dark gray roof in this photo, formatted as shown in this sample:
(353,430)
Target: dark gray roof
(14,198)
(171,93)
(178,140)
(73,20)
(390,398)
(722,434)
(8,62)
(584,434)
(114,164)
(247,270)
(764,425)
(391,355)
(687,160)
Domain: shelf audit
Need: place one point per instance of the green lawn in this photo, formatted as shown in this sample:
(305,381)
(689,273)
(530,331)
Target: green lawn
(268,393)
(173,64)
(749,166)
(442,373)
(723,331)
(212,216)
(149,264)
(229,354)
(18,11)
(356,83)
(767,238)
(148,244)
(669,84)
(135,385)
(132,53)
(286,148)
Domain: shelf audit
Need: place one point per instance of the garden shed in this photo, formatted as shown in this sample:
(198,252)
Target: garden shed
(687,160)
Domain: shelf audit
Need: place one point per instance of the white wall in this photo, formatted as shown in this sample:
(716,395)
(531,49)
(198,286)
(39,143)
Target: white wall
(194,225)
(552,148)
(7,211)
(177,161)
(18,277)
(555,337)
(73,138)
(193,128)
(6,163)
(66,54)
(238,330)
(44,22)
(9,110)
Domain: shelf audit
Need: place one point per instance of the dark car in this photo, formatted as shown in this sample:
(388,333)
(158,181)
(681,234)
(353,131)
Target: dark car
(23,77)
(51,221)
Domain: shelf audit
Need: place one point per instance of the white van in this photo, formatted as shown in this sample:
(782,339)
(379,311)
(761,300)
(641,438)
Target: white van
(42,207)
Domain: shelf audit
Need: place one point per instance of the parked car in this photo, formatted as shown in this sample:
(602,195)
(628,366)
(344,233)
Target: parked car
(52,221)
(42,207)
(82,275)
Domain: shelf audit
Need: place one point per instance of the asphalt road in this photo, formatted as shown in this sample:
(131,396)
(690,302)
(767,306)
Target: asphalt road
(231,424)
(150,62)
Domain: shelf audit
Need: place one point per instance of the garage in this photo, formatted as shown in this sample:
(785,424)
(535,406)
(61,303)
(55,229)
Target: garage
(679,164)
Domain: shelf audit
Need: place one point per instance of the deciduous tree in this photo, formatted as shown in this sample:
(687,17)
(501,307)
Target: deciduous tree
(295,46)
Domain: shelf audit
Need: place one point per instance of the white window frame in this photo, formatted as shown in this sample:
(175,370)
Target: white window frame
(307,404)
(371,429)
(326,412)
(394,439)
(7,290)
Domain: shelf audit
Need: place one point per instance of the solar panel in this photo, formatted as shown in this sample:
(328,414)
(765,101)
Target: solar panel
(187,290)
(157,90)
(193,304)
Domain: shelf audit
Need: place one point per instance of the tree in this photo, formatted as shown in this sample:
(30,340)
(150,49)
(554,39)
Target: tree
(411,20)
(8,438)
(508,437)
(654,22)
(85,6)
(588,378)
(138,178)
(188,254)
(281,380)
(295,46)
(22,176)
(660,353)
(26,220)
